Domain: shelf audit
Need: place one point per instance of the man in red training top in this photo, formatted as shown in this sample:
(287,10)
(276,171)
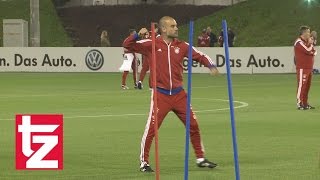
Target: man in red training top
(170,93)
(304,53)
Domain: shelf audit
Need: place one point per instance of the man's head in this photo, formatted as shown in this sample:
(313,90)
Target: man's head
(313,38)
(314,34)
(168,27)
(104,34)
(146,35)
(132,31)
(209,30)
(304,32)
(204,31)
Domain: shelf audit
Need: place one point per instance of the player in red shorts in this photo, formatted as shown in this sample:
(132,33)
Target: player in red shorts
(129,56)
(170,93)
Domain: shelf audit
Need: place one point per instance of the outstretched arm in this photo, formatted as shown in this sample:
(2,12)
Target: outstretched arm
(205,60)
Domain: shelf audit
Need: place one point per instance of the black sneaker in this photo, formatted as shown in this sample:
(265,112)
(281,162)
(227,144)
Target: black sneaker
(207,163)
(140,86)
(302,108)
(309,107)
(145,167)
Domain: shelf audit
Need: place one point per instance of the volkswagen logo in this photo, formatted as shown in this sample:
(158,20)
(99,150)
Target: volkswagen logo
(94,60)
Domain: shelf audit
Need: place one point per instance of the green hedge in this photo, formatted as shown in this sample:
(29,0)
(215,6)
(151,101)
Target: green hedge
(262,22)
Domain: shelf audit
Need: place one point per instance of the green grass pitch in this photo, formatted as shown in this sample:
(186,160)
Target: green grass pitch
(103,126)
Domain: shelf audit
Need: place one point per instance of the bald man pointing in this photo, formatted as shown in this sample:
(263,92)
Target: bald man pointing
(171,96)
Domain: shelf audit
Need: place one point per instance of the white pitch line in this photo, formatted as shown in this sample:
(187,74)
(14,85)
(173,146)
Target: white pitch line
(242,105)
(52,95)
(117,91)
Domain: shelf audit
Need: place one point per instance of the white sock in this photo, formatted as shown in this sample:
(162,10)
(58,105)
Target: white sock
(200,160)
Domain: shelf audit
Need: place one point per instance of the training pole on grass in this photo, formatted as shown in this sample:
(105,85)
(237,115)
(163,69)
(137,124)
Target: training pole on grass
(233,126)
(155,101)
(186,159)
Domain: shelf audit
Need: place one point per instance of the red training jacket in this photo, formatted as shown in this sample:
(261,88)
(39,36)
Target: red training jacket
(169,58)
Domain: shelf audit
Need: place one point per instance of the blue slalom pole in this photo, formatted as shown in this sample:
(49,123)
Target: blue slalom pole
(186,160)
(234,134)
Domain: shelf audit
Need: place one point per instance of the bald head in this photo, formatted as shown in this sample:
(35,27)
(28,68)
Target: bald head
(164,20)
(168,27)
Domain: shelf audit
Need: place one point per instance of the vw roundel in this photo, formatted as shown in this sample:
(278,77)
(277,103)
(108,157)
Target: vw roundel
(94,60)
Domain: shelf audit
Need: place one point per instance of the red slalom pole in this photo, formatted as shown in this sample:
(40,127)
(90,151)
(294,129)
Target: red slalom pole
(155,105)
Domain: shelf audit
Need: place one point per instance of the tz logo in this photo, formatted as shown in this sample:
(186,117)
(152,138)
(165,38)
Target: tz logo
(39,142)
(94,60)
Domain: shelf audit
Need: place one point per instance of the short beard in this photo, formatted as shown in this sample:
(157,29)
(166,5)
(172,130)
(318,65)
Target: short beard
(173,36)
